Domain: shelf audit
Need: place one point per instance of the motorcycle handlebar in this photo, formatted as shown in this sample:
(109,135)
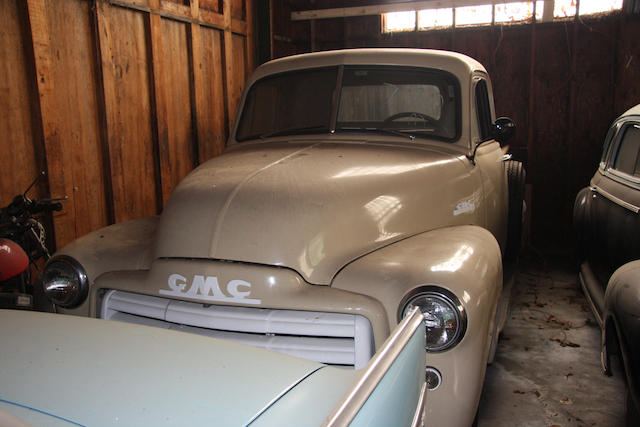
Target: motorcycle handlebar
(21,207)
(40,206)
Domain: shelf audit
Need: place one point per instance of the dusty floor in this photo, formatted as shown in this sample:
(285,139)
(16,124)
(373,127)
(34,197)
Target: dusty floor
(547,367)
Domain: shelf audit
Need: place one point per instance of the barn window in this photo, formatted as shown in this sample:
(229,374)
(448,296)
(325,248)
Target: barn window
(435,18)
(493,12)
(400,21)
(473,15)
(517,12)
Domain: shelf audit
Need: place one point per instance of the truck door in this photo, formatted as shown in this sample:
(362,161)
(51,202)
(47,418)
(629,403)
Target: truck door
(489,159)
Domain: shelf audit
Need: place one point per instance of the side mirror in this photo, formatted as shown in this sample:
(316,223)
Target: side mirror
(503,130)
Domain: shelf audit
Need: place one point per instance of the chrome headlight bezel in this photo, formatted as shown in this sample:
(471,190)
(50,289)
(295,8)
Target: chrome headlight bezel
(447,299)
(67,290)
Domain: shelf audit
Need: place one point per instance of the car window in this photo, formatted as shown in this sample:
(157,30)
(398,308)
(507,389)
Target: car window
(408,101)
(611,134)
(420,102)
(289,103)
(484,110)
(627,159)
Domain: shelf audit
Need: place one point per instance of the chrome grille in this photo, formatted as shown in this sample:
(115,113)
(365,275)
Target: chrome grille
(332,338)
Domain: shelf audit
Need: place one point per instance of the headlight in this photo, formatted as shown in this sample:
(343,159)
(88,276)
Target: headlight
(444,317)
(65,282)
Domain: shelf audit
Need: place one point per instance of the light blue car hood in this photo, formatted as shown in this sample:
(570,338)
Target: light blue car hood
(97,372)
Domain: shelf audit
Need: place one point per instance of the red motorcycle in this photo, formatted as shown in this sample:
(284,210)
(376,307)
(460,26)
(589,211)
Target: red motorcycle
(22,243)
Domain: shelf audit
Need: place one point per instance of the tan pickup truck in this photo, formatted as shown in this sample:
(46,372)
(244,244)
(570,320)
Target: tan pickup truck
(356,185)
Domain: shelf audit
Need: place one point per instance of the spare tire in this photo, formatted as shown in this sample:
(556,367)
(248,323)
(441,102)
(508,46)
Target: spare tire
(516,177)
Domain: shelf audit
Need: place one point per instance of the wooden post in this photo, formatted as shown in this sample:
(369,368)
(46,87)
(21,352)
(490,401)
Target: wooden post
(228,62)
(271,40)
(198,98)
(97,21)
(58,185)
(160,105)
(251,43)
(573,94)
(547,11)
(312,27)
(532,88)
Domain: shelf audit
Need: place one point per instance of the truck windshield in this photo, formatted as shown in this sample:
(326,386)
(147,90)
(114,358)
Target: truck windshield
(415,102)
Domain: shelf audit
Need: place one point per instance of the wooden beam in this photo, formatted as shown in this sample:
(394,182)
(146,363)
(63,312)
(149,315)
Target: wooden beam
(206,18)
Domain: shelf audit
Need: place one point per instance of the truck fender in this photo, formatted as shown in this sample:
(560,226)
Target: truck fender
(123,246)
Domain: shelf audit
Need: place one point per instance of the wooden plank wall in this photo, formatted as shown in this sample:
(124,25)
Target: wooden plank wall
(117,100)
(563,83)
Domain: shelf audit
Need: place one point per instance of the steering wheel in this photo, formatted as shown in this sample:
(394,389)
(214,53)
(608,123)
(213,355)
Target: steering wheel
(413,114)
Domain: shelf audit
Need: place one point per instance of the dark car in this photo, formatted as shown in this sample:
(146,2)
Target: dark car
(607,228)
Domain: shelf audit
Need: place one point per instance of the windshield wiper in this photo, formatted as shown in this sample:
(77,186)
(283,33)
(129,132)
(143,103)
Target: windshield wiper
(294,131)
(388,131)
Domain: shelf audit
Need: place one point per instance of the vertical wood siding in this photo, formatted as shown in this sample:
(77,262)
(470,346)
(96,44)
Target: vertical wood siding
(20,125)
(117,100)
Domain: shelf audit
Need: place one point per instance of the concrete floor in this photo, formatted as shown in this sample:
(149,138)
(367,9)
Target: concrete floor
(547,366)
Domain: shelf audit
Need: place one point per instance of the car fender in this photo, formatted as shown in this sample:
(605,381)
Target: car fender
(465,260)
(622,308)
(580,208)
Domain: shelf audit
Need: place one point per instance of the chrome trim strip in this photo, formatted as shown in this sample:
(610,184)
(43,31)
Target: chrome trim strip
(355,398)
(614,199)
(622,177)
(418,416)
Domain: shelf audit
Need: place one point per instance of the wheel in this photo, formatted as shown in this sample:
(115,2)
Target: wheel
(516,177)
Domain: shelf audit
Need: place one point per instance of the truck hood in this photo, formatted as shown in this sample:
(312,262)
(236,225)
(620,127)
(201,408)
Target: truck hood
(313,207)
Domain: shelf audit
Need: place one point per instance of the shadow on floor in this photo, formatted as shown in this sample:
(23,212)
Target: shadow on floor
(547,366)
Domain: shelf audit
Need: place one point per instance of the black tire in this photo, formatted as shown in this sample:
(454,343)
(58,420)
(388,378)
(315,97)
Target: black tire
(632,415)
(516,177)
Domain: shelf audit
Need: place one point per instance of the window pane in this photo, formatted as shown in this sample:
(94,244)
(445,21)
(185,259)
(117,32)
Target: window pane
(597,6)
(627,157)
(288,103)
(520,11)
(607,143)
(434,18)
(564,8)
(422,102)
(471,15)
(484,110)
(400,21)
